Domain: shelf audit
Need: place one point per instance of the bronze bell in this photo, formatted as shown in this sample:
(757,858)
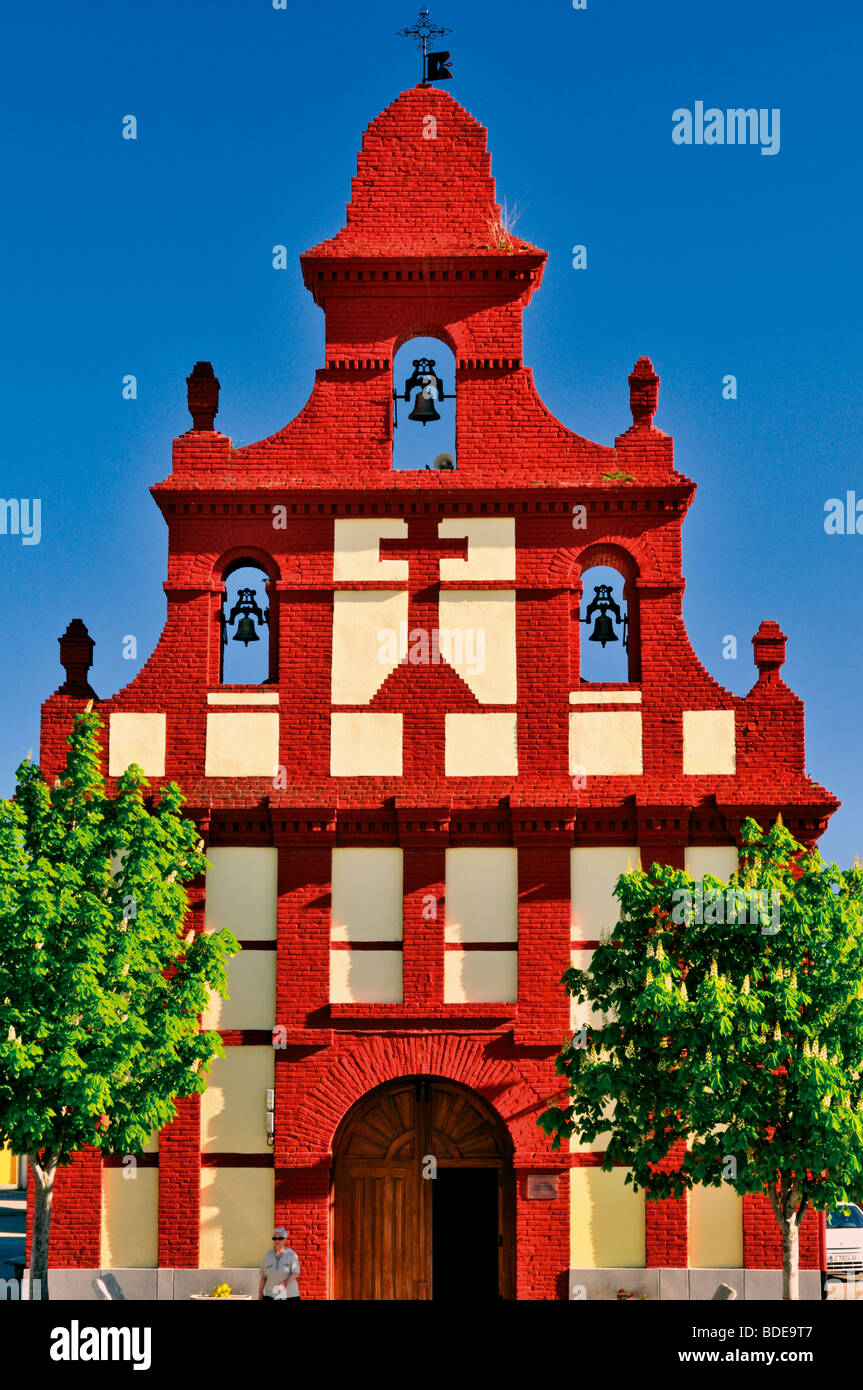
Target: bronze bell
(603,630)
(246,631)
(424,410)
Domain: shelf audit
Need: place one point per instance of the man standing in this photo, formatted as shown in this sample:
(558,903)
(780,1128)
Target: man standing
(280,1270)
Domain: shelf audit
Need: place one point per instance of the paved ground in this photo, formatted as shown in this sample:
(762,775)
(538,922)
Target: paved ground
(13,1209)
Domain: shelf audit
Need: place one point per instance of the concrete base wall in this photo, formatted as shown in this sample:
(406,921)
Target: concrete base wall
(679,1285)
(69,1285)
(684,1285)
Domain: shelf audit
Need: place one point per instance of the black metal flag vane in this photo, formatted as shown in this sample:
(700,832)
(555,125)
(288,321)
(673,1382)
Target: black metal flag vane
(435,65)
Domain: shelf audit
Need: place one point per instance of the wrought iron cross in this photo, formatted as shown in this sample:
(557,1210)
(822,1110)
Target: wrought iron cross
(422,31)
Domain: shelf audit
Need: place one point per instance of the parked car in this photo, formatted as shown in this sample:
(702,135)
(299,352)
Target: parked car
(845,1241)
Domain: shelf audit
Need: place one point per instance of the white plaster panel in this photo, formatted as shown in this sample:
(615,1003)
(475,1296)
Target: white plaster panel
(605,697)
(481,745)
(241,891)
(136,738)
(477,638)
(718,860)
(715,1228)
(482,894)
(252,990)
(593,873)
(366,745)
(242,745)
(603,1138)
(708,741)
(605,743)
(607,1225)
(366,977)
(480,977)
(367,896)
(490,548)
(582,1013)
(356,548)
(362,622)
(236,1205)
(264,697)
(234,1105)
(130,1218)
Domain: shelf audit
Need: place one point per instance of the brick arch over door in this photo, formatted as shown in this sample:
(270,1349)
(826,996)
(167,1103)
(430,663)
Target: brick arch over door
(499,1083)
(403,1230)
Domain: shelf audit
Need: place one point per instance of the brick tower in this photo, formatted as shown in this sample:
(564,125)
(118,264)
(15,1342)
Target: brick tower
(416,818)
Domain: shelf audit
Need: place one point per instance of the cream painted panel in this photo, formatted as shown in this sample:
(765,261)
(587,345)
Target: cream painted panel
(252,987)
(605,697)
(356,546)
(593,874)
(234,1105)
(366,977)
(472,977)
(708,741)
(481,745)
(242,745)
(606,1221)
(490,548)
(602,1140)
(482,895)
(136,738)
(718,860)
(365,745)
(236,1206)
(715,1228)
(605,743)
(367,626)
(130,1218)
(582,1013)
(367,895)
(241,892)
(220,697)
(477,638)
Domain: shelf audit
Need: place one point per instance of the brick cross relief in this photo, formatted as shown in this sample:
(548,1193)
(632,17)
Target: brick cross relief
(423,549)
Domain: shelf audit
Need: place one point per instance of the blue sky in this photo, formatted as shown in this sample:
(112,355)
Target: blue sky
(143,256)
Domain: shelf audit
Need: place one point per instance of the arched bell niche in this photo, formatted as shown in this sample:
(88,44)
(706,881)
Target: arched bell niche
(605,645)
(246,635)
(424,405)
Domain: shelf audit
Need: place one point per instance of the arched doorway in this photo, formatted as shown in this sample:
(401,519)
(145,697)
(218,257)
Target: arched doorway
(422,1196)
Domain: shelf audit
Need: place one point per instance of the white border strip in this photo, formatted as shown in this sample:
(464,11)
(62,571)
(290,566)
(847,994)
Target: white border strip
(605,697)
(265,698)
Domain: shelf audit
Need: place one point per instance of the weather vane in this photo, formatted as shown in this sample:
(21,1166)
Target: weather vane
(435,67)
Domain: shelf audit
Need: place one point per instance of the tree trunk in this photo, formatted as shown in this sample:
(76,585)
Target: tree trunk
(789,1204)
(790,1259)
(43,1176)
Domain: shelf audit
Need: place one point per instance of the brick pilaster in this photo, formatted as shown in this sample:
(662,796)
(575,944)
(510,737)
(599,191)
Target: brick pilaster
(180,1187)
(424,920)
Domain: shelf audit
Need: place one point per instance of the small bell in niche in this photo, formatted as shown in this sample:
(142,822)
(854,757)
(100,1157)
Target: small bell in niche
(246,611)
(602,604)
(424,410)
(431,390)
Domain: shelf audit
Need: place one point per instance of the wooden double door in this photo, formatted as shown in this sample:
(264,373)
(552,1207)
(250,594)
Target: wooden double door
(422,1197)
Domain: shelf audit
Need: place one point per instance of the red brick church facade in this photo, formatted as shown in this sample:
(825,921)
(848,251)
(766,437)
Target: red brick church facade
(487,803)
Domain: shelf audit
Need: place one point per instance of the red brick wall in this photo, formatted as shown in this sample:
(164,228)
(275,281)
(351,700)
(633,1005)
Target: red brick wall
(76,1213)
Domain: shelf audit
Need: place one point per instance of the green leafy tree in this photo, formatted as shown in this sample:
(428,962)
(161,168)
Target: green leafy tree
(99,992)
(731,1038)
